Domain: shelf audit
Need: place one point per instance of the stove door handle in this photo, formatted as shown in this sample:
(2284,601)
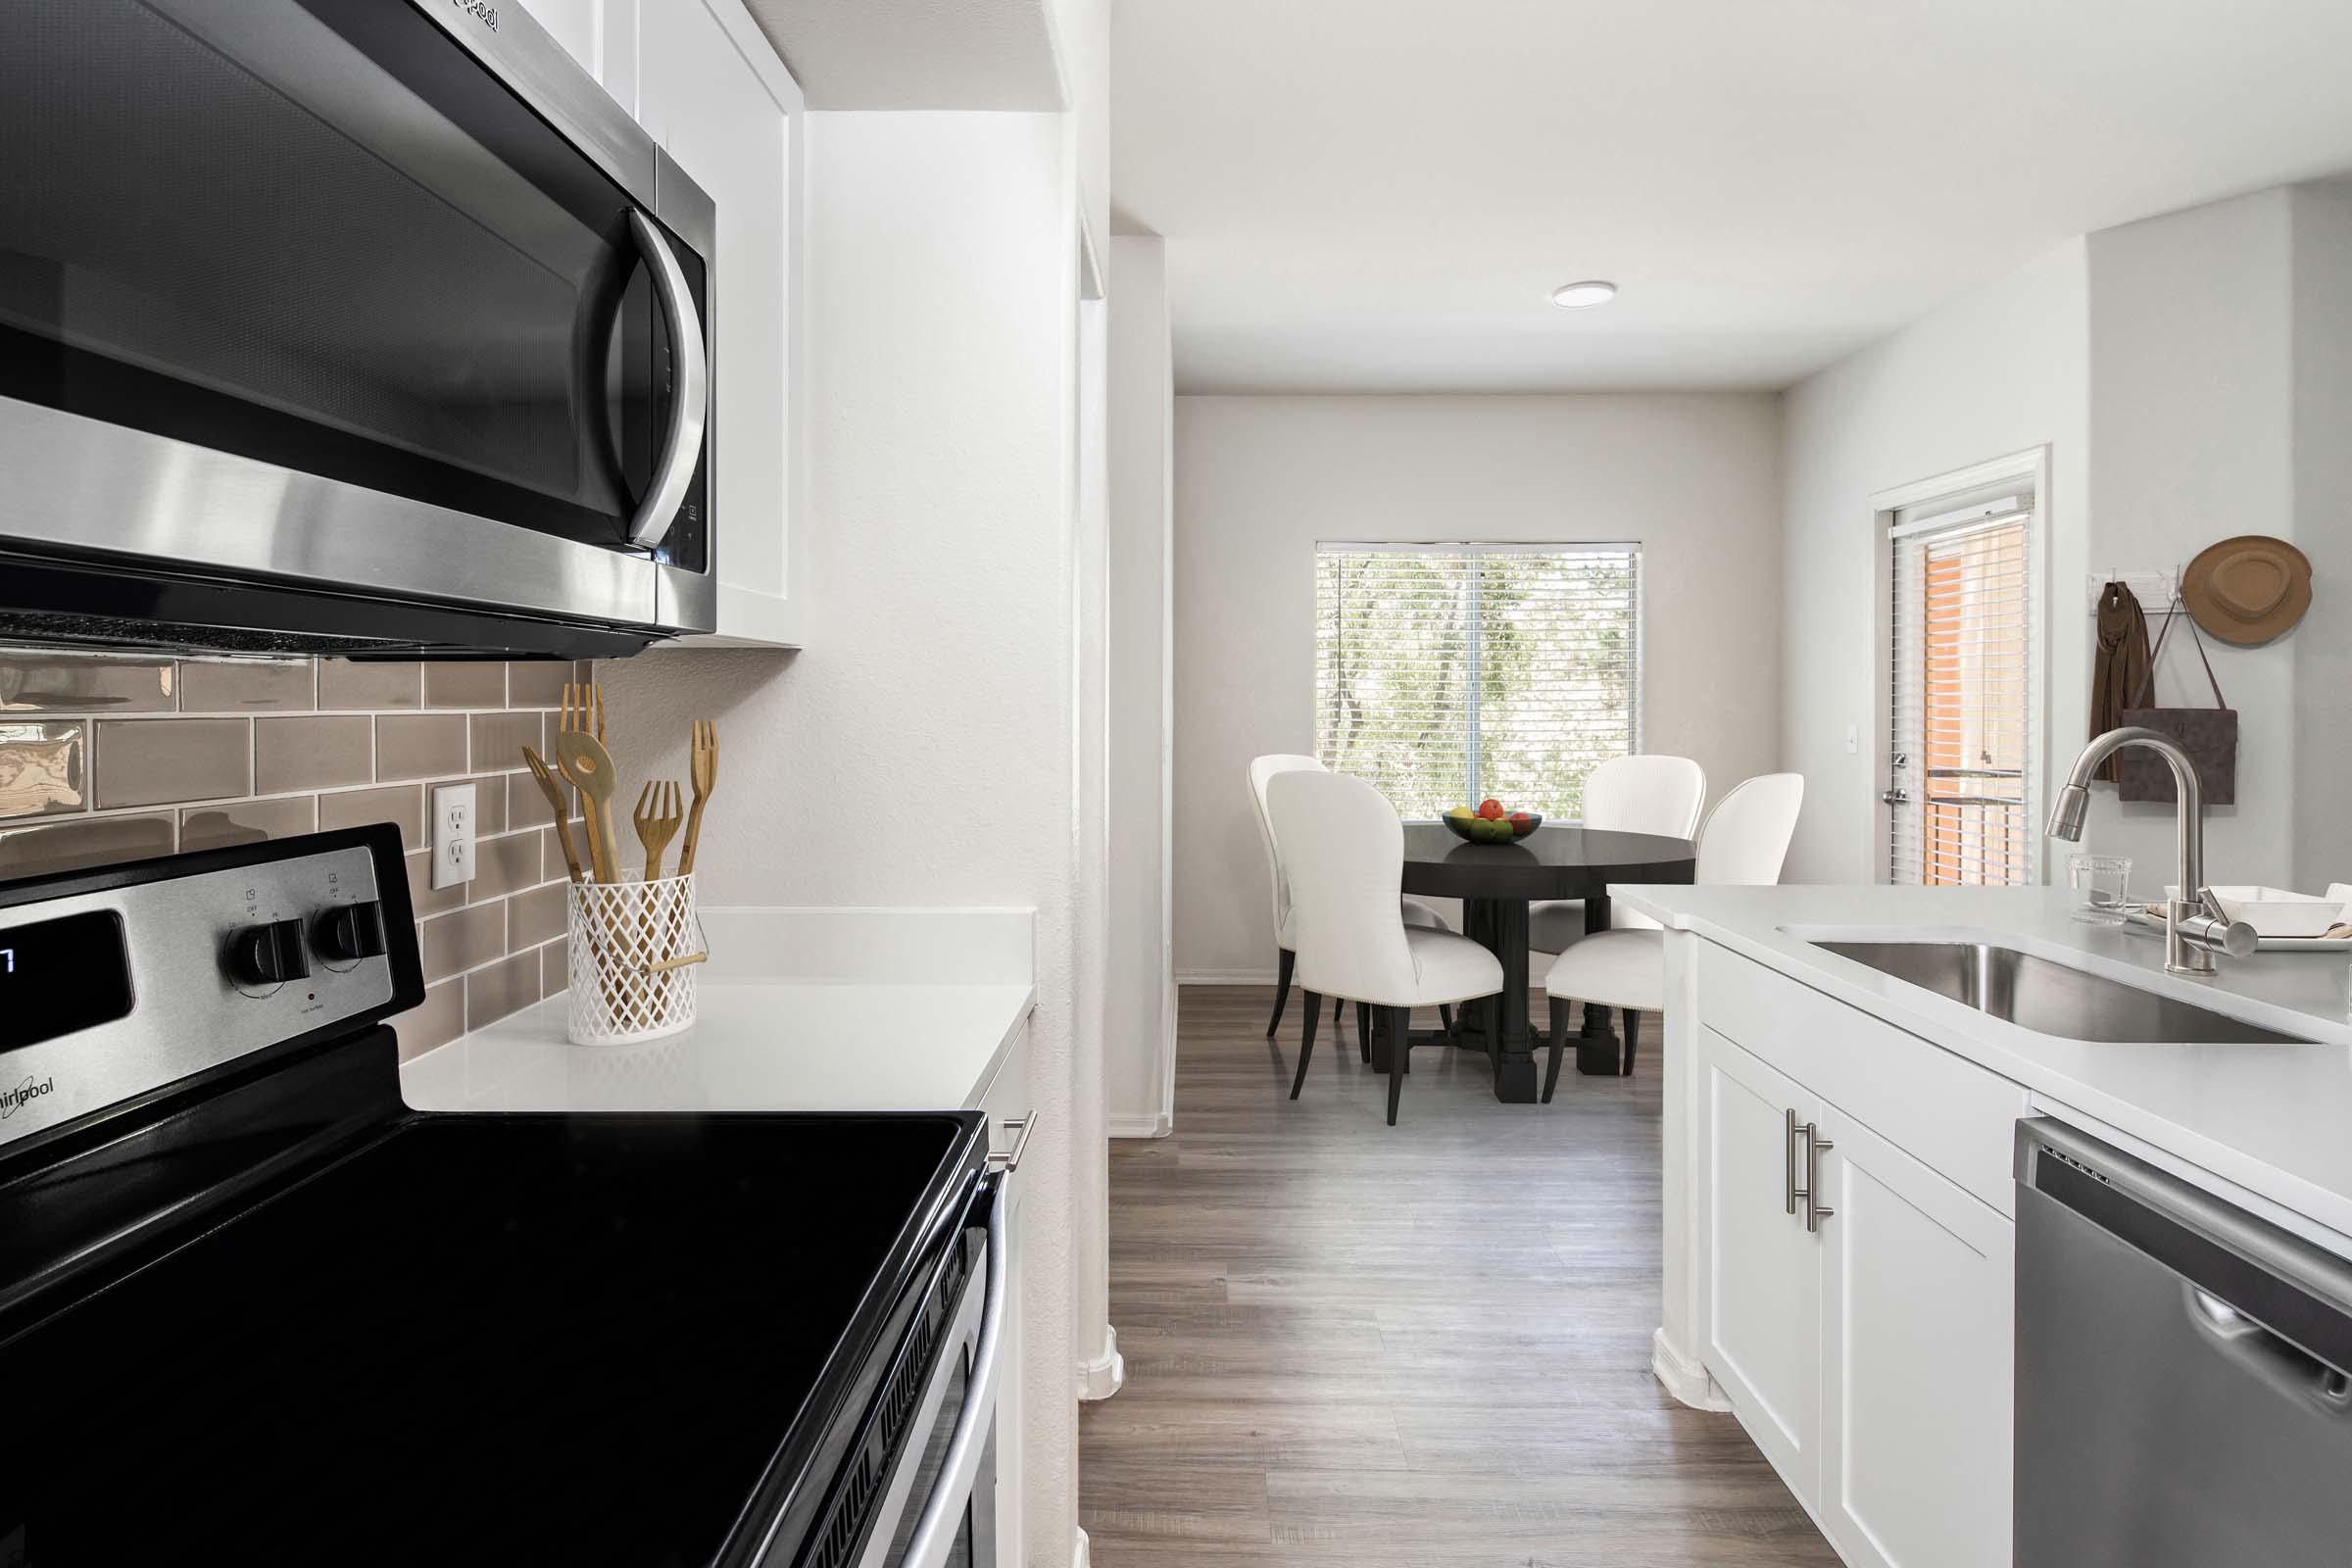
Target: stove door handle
(943,1514)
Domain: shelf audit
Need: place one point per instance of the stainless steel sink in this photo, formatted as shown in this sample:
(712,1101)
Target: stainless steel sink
(2048,998)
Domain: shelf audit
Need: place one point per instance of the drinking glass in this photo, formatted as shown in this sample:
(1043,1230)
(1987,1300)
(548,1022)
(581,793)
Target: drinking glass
(2101,885)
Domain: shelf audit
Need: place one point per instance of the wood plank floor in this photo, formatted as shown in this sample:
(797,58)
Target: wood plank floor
(1425,1344)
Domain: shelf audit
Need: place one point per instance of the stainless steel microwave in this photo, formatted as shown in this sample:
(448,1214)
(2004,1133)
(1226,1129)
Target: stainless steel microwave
(362,327)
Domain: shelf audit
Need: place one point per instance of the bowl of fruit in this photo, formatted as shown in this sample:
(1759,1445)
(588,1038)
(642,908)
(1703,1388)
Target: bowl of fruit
(1489,822)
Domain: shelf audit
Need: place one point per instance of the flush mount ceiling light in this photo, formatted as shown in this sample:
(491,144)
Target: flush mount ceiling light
(1585,295)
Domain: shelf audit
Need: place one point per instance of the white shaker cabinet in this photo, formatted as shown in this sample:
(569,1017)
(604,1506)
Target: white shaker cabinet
(1869,1357)
(702,79)
(1763,1270)
(1916,1390)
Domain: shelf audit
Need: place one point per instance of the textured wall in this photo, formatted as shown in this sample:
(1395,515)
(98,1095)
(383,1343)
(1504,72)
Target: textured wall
(105,760)
(1694,478)
(1997,371)
(921,749)
(1138,1037)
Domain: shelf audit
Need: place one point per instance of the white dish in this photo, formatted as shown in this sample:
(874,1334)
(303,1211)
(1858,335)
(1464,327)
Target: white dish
(2278,912)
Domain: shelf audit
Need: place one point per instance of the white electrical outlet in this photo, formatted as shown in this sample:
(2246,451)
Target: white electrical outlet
(453,835)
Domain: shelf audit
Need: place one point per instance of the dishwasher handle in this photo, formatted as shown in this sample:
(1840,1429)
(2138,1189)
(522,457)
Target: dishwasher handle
(2273,1358)
(2271,1300)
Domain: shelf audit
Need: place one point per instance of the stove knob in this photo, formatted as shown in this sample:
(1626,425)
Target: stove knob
(349,932)
(269,954)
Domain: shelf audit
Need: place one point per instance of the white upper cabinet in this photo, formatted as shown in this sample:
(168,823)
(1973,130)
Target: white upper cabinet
(702,79)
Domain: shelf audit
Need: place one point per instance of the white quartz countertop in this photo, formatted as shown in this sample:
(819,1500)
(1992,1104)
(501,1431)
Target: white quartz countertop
(2273,1119)
(798,1009)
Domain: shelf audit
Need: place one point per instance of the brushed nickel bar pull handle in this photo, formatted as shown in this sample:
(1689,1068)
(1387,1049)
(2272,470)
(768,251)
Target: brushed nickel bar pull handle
(1815,1209)
(682,445)
(1010,1161)
(1789,1192)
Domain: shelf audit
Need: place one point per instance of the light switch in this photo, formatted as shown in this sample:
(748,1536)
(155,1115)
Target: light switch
(453,835)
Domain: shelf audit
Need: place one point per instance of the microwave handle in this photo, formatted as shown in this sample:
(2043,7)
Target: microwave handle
(943,1511)
(682,447)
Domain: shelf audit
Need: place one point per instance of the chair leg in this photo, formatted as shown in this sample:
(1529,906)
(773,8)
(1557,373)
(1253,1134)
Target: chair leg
(1363,1023)
(1338,1007)
(1306,1043)
(1281,987)
(1633,1036)
(1445,1016)
(1399,1027)
(1561,1007)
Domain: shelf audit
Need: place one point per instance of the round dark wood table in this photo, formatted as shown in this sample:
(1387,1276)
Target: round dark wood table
(1497,882)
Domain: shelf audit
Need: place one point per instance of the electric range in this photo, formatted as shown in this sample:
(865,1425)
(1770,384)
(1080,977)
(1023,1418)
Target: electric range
(254,1309)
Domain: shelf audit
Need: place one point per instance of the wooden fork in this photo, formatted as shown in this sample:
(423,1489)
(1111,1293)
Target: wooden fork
(554,792)
(704,773)
(656,821)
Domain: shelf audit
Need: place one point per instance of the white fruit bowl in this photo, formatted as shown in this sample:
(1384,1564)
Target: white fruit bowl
(2276,911)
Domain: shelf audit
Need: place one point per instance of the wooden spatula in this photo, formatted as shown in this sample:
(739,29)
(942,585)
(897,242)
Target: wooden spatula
(585,762)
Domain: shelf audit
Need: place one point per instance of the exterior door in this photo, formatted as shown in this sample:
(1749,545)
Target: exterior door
(1964,694)
(1916,1305)
(1763,1285)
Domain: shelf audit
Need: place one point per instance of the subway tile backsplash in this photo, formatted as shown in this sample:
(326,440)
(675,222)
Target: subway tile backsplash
(118,758)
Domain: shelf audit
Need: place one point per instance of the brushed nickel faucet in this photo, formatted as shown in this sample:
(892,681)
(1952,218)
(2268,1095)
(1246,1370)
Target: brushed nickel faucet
(2194,927)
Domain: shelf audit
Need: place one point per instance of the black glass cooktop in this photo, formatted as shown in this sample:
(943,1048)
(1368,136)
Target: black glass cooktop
(480,1339)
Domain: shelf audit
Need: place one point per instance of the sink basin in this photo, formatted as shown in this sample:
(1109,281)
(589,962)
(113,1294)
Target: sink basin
(2051,999)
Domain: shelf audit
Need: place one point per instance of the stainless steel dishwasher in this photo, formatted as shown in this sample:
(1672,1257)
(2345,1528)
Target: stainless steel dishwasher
(2183,1373)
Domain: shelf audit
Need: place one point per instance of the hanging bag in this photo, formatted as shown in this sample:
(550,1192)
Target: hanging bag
(2209,735)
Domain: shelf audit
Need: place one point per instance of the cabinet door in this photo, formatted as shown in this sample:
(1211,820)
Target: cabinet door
(1763,1285)
(1007,1097)
(598,33)
(1916,1347)
(717,99)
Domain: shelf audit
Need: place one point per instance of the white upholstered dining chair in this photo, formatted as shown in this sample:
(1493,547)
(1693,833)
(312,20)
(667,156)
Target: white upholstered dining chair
(1262,770)
(1745,842)
(1344,849)
(1639,794)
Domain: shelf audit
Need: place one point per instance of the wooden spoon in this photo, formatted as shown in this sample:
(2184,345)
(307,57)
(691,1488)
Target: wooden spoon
(585,762)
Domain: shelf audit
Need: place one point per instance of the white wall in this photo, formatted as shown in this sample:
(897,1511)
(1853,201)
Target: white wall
(2000,370)
(2322,266)
(2192,434)
(1139,1031)
(1694,478)
(921,749)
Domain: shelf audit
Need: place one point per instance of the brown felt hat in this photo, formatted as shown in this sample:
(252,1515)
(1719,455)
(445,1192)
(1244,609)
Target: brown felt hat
(2247,590)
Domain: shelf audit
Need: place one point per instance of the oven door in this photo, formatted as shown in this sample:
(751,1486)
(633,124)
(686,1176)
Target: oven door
(356,296)
(919,1490)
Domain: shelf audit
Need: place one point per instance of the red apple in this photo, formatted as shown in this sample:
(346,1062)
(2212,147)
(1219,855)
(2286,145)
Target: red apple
(1490,809)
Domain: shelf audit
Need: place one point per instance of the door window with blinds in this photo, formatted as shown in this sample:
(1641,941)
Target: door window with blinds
(1449,673)
(1965,695)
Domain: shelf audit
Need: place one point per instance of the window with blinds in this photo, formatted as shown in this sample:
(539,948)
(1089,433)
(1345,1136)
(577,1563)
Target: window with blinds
(1449,673)
(1961,807)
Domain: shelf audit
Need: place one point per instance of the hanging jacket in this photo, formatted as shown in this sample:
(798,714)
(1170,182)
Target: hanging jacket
(2121,665)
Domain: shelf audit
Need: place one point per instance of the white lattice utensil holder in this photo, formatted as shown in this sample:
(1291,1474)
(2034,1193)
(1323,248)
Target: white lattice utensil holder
(632,955)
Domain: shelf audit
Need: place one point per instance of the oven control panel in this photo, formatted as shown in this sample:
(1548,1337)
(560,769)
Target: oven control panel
(122,982)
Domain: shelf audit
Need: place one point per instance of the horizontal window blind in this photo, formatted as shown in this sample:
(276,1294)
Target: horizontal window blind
(1449,673)
(1963,697)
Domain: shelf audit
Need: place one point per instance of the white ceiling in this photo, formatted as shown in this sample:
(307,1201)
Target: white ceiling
(1378,195)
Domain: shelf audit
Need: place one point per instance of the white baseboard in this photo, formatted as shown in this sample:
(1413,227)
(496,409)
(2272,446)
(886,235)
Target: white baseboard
(1106,1373)
(1224,977)
(1684,1377)
(1157,1126)
(1082,1552)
